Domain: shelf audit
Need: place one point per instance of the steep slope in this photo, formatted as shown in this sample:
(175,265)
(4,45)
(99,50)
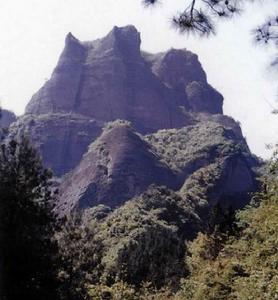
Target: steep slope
(61,139)
(107,80)
(179,131)
(111,78)
(118,166)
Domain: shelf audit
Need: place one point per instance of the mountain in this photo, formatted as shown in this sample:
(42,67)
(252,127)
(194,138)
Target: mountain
(113,120)
(142,155)
(204,163)
(62,139)
(117,166)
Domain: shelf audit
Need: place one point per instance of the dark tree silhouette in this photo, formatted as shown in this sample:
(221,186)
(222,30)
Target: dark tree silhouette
(27,227)
(199,16)
(268,32)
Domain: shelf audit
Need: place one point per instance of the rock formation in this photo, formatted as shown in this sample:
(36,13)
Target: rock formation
(121,164)
(61,138)
(174,133)
(118,166)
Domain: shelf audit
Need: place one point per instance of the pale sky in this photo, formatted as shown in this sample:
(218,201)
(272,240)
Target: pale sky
(32,34)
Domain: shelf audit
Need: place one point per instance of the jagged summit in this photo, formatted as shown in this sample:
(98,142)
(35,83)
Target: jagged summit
(111,79)
(164,96)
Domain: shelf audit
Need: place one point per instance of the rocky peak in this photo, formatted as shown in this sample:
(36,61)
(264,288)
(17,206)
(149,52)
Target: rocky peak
(178,67)
(181,70)
(127,39)
(117,166)
(110,79)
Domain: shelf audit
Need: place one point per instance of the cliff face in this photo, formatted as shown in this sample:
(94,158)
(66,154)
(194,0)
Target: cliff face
(62,139)
(118,166)
(111,79)
(204,163)
(176,134)
(107,80)
(181,70)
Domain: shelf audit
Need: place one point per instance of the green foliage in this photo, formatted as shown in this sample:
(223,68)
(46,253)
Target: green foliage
(245,266)
(142,241)
(79,258)
(145,239)
(112,124)
(28,250)
(206,140)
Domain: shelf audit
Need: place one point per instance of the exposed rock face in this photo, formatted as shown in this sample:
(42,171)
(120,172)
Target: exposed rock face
(110,79)
(61,138)
(179,131)
(181,70)
(107,80)
(6,118)
(118,166)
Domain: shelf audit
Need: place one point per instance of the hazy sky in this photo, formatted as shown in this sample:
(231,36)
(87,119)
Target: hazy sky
(32,36)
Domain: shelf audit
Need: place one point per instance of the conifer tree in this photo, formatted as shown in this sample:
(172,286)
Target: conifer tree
(27,224)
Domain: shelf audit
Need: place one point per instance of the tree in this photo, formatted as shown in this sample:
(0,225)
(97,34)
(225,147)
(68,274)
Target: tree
(80,254)
(246,265)
(200,16)
(28,250)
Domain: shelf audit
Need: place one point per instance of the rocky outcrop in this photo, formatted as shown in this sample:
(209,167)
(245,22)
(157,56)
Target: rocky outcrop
(6,118)
(111,78)
(122,164)
(62,139)
(182,71)
(175,131)
(107,80)
(118,166)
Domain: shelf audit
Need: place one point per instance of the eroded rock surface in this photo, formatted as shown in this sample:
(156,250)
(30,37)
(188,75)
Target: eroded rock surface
(118,166)
(177,129)
(62,139)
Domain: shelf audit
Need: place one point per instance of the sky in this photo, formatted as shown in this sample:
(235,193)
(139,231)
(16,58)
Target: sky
(32,34)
